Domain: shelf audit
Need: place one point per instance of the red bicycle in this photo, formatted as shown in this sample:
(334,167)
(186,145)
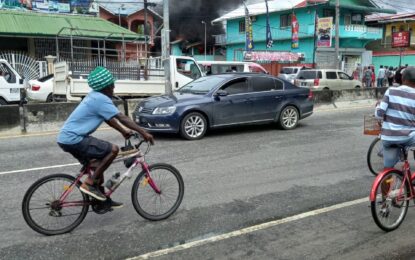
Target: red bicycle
(55,205)
(390,194)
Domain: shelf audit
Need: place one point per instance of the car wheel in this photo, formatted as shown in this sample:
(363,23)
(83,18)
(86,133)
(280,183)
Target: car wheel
(288,118)
(2,102)
(49,98)
(357,87)
(193,126)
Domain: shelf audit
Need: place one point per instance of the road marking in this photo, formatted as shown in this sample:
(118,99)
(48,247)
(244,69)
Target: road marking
(40,168)
(247,230)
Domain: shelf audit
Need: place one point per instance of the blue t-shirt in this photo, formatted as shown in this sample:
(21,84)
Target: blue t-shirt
(87,117)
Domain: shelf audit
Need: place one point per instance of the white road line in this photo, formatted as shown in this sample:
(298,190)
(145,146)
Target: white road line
(247,230)
(40,168)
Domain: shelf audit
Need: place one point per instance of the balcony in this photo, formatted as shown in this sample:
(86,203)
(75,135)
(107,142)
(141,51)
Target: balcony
(360,31)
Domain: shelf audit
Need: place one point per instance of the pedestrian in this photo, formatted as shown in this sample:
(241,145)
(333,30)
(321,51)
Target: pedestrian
(367,77)
(381,76)
(373,76)
(355,74)
(398,76)
(390,75)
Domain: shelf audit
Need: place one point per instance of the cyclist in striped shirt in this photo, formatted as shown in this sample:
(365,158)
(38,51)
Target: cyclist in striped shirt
(397,109)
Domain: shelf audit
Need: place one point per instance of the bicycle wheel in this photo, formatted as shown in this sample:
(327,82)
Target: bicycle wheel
(157,206)
(375,156)
(391,201)
(46,214)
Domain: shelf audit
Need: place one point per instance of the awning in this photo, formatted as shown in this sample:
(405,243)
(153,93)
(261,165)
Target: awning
(26,24)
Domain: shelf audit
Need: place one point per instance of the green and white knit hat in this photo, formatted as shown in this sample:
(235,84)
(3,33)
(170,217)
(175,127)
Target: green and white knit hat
(100,78)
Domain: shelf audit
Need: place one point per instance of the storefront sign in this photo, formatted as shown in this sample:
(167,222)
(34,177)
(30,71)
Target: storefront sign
(324,26)
(401,39)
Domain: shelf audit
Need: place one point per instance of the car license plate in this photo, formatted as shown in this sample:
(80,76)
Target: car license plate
(303,84)
(14,90)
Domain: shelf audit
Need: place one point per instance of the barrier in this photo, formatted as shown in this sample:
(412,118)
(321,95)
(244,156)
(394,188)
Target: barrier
(40,117)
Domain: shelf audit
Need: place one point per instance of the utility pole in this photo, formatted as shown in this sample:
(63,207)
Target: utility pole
(145,28)
(337,44)
(165,43)
(203,22)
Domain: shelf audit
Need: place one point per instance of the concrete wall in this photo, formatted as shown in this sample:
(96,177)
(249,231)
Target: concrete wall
(43,117)
(9,120)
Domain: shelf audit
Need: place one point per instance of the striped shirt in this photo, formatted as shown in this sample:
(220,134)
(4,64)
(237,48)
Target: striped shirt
(397,110)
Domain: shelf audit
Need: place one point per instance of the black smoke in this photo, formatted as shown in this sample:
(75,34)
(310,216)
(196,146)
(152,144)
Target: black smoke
(186,18)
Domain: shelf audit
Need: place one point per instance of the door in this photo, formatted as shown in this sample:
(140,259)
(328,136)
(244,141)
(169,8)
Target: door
(235,107)
(184,70)
(9,83)
(332,81)
(346,81)
(266,94)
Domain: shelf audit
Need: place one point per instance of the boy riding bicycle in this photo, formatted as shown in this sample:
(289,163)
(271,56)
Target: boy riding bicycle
(74,137)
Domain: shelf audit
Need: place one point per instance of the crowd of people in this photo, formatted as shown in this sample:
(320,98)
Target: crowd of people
(387,76)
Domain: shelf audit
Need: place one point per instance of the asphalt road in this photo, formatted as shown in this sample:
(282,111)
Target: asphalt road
(234,179)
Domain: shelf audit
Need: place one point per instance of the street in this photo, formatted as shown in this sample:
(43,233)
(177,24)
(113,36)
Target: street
(234,179)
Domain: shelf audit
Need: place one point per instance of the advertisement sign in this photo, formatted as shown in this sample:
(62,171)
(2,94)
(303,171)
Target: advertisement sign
(49,6)
(249,41)
(401,39)
(295,27)
(324,28)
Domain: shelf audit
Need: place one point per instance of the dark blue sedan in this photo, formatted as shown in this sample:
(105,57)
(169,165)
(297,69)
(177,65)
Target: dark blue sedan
(225,100)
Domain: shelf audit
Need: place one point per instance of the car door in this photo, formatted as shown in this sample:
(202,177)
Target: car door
(266,94)
(332,82)
(235,107)
(346,80)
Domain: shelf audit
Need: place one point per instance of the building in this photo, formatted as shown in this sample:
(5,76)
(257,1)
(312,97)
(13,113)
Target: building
(384,53)
(354,34)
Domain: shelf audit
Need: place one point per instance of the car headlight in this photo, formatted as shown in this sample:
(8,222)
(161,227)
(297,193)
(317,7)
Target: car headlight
(164,110)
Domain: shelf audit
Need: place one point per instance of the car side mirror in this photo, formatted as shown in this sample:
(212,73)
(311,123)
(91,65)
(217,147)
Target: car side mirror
(21,81)
(221,93)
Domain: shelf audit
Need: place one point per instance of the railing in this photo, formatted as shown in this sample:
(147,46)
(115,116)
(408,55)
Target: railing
(220,39)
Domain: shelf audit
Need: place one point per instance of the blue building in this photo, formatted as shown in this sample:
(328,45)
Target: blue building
(354,34)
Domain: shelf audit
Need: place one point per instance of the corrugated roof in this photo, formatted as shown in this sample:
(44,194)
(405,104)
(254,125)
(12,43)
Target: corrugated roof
(18,23)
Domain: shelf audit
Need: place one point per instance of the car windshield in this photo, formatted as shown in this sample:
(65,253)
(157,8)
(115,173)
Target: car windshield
(201,85)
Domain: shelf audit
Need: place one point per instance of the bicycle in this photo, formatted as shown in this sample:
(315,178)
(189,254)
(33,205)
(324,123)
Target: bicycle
(391,192)
(54,205)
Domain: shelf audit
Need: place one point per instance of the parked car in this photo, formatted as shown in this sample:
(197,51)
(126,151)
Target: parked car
(290,73)
(41,89)
(325,79)
(218,67)
(225,100)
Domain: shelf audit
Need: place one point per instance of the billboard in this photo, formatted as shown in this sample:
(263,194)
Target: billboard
(324,29)
(295,27)
(50,6)
(401,39)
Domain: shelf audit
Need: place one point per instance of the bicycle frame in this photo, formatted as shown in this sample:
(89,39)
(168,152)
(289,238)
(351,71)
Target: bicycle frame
(88,170)
(407,176)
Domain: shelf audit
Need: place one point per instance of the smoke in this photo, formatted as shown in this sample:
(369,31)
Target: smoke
(186,18)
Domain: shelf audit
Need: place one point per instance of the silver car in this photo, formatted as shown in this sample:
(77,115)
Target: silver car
(326,79)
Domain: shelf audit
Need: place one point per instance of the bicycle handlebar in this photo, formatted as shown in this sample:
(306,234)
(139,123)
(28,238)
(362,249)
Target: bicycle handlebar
(141,141)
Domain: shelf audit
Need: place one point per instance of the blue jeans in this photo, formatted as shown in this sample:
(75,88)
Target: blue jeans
(380,83)
(391,154)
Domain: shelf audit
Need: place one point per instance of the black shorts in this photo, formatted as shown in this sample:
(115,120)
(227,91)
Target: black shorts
(87,149)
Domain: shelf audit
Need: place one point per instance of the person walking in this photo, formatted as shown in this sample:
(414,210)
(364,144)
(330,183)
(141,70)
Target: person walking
(381,76)
(367,77)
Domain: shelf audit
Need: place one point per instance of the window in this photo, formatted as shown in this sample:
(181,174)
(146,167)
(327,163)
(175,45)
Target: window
(278,84)
(7,73)
(309,74)
(331,75)
(347,19)
(285,20)
(238,86)
(344,76)
(260,84)
(356,19)
(242,26)
(188,68)
(329,13)
(393,29)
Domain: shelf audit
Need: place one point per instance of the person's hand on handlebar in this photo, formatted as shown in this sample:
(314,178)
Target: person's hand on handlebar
(148,137)
(127,134)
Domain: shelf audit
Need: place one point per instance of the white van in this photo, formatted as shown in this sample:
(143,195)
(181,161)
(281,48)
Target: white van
(217,67)
(11,84)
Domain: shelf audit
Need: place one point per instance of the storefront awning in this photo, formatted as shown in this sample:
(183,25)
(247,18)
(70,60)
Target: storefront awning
(31,24)
(274,56)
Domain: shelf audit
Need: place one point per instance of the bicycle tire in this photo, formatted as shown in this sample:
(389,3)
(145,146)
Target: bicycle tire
(146,189)
(35,187)
(374,156)
(383,209)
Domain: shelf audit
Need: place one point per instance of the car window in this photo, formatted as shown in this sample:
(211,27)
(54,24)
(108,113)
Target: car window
(262,84)
(344,76)
(295,71)
(278,84)
(309,74)
(188,68)
(331,75)
(238,86)
(223,68)
(286,71)
(255,69)
(45,78)
(201,85)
